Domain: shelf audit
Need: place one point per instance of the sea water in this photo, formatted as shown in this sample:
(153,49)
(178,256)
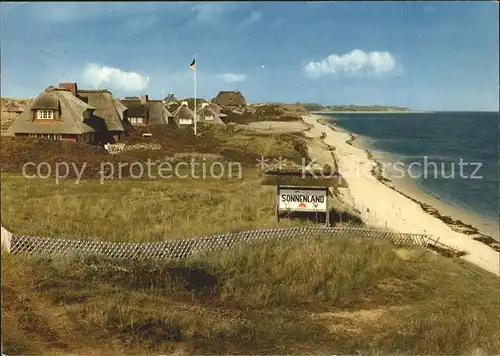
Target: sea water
(438,141)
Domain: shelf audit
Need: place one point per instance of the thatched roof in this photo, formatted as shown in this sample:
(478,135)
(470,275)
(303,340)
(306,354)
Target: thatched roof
(49,100)
(158,114)
(202,112)
(136,109)
(106,107)
(153,110)
(121,108)
(216,108)
(183,112)
(70,120)
(230,98)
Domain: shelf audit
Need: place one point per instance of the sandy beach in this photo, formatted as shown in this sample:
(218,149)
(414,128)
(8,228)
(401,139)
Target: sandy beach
(459,219)
(381,205)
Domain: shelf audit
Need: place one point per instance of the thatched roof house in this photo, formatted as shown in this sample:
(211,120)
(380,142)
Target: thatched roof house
(107,108)
(58,115)
(137,111)
(230,99)
(183,116)
(54,112)
(216,108)
(158,113)
(142,112)
(206,113)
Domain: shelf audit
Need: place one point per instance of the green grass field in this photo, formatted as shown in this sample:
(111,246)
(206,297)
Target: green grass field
(344,295)
(326,296)
(136,210)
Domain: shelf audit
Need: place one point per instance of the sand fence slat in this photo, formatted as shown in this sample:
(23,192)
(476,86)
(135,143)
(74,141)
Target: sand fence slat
(184,248)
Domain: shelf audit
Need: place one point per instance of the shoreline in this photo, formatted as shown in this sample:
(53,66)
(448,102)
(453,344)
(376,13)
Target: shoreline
(444,211)
(455,224)
(401,212)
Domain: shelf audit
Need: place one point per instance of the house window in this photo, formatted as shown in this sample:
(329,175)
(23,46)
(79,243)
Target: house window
(185,121)
(45,114)
(136,120)
(209,117)
(47,136)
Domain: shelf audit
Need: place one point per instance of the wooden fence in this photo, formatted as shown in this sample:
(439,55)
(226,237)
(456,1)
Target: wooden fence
(179,249)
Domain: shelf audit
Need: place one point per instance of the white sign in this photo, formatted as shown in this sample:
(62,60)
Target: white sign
(114,148)
(302,199)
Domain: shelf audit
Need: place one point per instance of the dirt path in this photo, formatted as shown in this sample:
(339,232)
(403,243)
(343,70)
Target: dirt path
(276,126)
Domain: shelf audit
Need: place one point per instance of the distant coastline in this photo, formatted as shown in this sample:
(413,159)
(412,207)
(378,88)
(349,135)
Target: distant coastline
(313,107)
(365,112)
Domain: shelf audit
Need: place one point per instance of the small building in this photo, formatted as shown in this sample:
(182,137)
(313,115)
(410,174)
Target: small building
(107,108)
(57,114)
(158,113)
(219,110)
(137,110)
(183,116)
(206,113)
(69,113)
(145,112)
(230,99)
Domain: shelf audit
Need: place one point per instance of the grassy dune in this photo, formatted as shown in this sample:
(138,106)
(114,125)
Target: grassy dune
(135,211)
(325,296)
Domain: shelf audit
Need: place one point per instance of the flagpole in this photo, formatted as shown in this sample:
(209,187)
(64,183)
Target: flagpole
(195,96)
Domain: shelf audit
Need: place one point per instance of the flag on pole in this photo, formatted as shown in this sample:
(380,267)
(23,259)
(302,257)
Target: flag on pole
(193,67)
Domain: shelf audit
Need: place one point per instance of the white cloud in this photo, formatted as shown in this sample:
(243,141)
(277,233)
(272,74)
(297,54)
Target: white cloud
(232,78)
(99,76)
(253,17)
(354,62)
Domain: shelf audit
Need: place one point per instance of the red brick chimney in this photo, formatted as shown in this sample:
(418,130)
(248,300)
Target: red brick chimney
(144,99)
(69,86)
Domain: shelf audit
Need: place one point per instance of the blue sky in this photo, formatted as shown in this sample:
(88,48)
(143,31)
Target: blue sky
(424,55)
